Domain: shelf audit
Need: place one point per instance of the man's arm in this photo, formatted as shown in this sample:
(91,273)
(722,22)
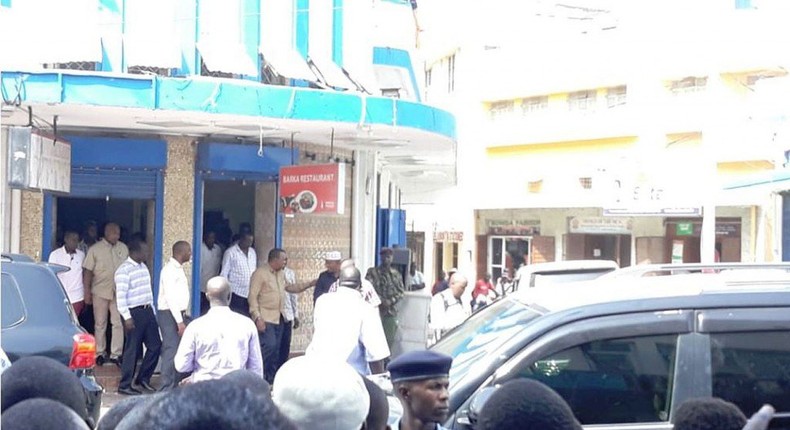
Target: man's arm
(184,359)
(88,264)
(167,288)
(254,358)
(122,289)
(225,270)
(298,287)
(256,285)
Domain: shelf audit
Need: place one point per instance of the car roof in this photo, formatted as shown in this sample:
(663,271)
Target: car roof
(569,265)
(566,296)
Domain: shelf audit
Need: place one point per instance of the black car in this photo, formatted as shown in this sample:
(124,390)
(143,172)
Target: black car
(37,319)
(626,355)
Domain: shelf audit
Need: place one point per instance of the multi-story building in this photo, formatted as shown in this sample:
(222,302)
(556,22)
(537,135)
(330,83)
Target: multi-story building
(602,129)
(173,117)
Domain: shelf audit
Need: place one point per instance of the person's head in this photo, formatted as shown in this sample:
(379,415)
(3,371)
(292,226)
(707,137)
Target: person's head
(209,405)
(350,278)
(41,377)
(182,251)
(112,232)
(458,283)
(442,276)
(91,230)
(70,240)
(245,227)
(421,382)
(487,277)
(332,261)
(316,393)
(451,272)
(138,251)
(526,404)
(41,414)
(210,238)
(379,409)
(348,262)
(135,417)
(111,419)
(247,379)
(245,240)
(277,259)
(386,256)
(708,414)
(218,291)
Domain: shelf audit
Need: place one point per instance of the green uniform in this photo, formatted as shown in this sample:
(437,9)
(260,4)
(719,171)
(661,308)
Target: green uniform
(389,286)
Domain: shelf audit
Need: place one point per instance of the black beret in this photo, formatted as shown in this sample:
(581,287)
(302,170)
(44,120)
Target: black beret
(708,413)
(419,365)
(41,414)
(248,379)
(120,410)
(529,405)
(34,377)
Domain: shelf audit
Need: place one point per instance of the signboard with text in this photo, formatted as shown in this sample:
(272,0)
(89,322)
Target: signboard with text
(313,188)
(513,227)
(600,225)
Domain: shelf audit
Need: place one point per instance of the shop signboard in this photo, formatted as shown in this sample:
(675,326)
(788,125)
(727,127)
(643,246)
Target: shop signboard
(448,236)
(600,225)
(684,229)
(513,227)
(313,188)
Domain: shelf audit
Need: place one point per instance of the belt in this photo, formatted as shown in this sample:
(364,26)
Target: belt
(141,307)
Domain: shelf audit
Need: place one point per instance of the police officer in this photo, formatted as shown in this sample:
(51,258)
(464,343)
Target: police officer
(389,286)
(421,381)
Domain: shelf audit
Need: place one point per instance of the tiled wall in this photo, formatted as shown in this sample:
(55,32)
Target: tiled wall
(32,224)
(179,195)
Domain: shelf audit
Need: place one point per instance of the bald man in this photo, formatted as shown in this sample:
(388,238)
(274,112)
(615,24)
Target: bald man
(172,304)
(220,341)
(447,308)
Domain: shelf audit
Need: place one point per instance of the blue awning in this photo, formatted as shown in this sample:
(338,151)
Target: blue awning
(776,179)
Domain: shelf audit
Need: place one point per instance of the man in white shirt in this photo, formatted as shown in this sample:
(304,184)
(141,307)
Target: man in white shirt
(347,328)
(238,264)
(447,308)
(210,263)
(68,255)
(172,304)
(220,341)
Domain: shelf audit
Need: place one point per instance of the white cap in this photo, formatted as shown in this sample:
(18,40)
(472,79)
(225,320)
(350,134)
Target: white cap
(319,393)
(333,256)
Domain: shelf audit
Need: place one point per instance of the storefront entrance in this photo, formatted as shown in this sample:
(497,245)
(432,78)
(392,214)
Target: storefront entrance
(614,247)
(683,240)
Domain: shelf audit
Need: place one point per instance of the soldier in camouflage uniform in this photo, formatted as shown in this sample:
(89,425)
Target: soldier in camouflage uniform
(389,286)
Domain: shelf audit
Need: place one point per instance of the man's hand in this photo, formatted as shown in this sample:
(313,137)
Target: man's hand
(260,324)
(88,298)
(296,323)
(181,328)
(761,419)
(128,325)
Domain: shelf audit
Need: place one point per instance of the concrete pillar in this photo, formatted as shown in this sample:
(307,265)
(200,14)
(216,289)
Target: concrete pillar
(265,219)
(179,195)
(32,224)
(363,206)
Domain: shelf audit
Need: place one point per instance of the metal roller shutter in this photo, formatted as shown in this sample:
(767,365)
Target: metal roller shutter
(116,184)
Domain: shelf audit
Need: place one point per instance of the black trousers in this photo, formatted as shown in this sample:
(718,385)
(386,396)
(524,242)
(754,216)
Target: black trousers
(270,340)
(146,331)
(239,305)
(204,304)
(285,343)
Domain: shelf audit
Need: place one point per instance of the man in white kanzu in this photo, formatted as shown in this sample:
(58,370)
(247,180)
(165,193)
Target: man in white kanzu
(447,308)
(220,341)
(172,304)
(68,255)
(348,328)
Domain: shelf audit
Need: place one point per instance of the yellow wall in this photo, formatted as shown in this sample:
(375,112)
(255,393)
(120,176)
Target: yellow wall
(572,147)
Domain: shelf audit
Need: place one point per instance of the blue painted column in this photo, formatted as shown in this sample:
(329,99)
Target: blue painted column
(47,232)
(159,225)
(197,240)
(337,32)
(302,25)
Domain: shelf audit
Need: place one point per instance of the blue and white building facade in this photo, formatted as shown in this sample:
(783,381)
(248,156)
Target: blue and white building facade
(179,114)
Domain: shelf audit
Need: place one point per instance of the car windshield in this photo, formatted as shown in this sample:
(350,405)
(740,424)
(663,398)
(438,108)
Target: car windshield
(473,343)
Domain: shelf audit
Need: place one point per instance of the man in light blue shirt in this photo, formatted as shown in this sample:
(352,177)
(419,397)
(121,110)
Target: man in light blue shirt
(135,304)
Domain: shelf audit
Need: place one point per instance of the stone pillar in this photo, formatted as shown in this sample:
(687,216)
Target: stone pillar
(32,224)
(265,219)
(179,195)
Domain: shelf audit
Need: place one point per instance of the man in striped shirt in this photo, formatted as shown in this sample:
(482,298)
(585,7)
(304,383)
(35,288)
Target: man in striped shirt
(135,304)
(238,264)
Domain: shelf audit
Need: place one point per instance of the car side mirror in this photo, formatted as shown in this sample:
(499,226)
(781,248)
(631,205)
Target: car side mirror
(476,404)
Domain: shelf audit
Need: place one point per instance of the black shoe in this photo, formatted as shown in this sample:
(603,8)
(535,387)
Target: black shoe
(146,386)
(129,391)
(115,360)
(100,360)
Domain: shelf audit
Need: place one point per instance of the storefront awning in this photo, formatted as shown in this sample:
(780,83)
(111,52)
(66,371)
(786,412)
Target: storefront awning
(287,63)
(228,58)
(777,180)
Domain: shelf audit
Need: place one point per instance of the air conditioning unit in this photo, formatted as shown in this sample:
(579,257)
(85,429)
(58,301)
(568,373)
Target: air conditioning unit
(38,161)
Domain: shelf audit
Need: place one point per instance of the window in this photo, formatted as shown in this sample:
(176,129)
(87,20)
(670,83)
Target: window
(612,381)
(581,100)
(688,85)
(451,74)
(615,97)
(534,104)
(501,109)
(752,369)
(13,308)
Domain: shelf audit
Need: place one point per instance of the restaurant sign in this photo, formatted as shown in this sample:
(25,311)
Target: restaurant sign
(313,188)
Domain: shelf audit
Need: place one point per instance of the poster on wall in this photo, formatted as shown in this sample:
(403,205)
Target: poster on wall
(677,251)
(313,188)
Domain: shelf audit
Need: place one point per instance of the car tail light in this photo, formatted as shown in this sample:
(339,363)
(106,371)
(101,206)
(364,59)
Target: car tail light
(83,353)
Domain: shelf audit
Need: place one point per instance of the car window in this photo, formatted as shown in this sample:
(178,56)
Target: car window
(751,369)
(474,341)
(13,309)
(612,381)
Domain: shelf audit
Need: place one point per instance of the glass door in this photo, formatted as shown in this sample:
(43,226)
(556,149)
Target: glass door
(506,254)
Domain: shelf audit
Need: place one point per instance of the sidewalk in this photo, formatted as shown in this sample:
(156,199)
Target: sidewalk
(109,376)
